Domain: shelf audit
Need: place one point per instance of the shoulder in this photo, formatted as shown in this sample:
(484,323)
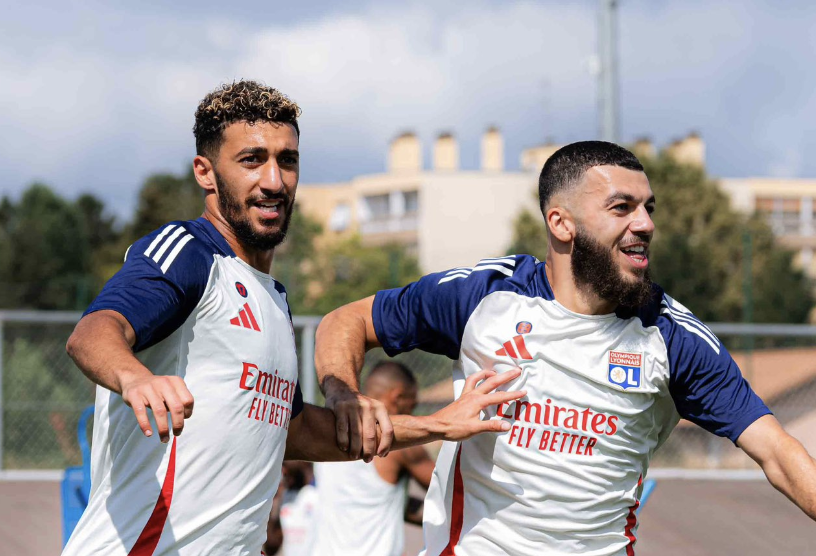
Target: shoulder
(180,249)
(514,273)
(679,326)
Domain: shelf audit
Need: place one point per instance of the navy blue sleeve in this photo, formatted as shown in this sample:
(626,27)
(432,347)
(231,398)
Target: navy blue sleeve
(163,278)
(706,384)
(297,401)
(431,313)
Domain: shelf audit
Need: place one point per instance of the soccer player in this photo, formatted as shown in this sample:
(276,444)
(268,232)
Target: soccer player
(193,316)
(362,506)
(610,363)
(291,527)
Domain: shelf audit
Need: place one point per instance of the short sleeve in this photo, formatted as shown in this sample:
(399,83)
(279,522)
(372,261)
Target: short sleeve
(297,401)
(162,280)
(431,313)
(706,384)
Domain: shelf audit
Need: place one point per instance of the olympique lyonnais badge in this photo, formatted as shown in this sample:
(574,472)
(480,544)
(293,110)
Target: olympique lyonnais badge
(624,369)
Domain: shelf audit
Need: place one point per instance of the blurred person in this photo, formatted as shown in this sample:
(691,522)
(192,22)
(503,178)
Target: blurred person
(194,316)
(291,524)
(609,360)
(363,506)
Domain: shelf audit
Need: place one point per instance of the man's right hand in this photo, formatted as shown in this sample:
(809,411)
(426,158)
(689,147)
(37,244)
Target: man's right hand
(358,419)
(162,394)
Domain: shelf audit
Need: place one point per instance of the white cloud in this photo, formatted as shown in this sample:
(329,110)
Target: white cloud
(112,112)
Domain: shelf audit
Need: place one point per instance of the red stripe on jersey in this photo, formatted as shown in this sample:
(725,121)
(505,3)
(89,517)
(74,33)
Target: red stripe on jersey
(252,317)
(457,507)
(149,538)
(235,321)
(244,319)
(522,349)
(508,346)
(502,352)
(631,521)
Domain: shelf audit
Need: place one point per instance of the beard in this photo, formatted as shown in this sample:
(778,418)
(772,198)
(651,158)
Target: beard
(594,268)
(236,213)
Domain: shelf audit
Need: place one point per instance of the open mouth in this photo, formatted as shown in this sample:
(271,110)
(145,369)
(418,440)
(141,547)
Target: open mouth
(637,254)
(269,208)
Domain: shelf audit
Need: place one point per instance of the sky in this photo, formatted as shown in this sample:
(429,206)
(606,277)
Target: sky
(94,97)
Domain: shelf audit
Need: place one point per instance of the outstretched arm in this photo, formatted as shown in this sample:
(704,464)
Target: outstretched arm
(341,341)
(312,433)
(102,347)
(786,463)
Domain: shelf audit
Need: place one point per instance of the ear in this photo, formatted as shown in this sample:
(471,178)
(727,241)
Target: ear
(204,173)
(560,223)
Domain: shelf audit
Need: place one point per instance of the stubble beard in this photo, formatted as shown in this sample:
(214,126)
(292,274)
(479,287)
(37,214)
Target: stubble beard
(594,269)
(236,213)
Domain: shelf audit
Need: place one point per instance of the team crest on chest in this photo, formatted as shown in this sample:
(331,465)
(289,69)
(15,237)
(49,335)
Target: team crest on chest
(524,327)
(625,369)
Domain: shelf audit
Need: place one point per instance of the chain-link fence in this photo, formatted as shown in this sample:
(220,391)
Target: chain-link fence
(42,393)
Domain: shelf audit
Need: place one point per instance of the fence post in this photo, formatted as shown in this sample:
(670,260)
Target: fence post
(2,405)
(308,378)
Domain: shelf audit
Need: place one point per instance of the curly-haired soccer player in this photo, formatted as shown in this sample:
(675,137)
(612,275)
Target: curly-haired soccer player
(193,316)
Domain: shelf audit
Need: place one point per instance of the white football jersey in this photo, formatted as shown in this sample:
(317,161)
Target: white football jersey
(201,313)
(603,393)
(297,517)
(361,514)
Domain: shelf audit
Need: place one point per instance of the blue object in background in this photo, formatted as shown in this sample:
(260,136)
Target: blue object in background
(76,485)
(648,487)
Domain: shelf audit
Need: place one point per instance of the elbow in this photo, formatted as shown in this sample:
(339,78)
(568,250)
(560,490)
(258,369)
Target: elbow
(72,346)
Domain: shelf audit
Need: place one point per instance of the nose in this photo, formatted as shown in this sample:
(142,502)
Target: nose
(271,179)
(642,222)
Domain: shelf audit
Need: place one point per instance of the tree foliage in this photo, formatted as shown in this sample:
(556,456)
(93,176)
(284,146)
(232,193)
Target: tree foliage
(698,252)
(163,198)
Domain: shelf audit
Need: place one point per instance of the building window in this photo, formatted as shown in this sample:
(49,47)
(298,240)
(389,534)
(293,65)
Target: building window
(411,201)
(378,206)
(340,219)
(783,214)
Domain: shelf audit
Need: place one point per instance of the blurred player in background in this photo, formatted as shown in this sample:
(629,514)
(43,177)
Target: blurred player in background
(194,316)
(363,505)
(291,527)
(610,363)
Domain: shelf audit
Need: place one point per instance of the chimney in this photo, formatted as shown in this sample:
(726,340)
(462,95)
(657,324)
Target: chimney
(644,148)
(405,153)
(492,150)
(690,150)
(446,153)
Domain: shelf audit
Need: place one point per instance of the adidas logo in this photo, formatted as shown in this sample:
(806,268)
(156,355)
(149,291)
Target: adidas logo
(245,319)
(516,349)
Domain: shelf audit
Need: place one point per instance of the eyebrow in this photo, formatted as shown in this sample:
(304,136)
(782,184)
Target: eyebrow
(629,198)
(252,150)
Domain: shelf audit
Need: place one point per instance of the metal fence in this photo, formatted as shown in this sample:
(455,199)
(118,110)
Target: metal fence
(42,393)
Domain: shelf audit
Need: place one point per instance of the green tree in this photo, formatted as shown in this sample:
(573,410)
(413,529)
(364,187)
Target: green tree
(529,235)
(48,254)
(294,262)
(348,271)
(163,198)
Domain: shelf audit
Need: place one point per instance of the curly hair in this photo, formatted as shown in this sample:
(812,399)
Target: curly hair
(239,101)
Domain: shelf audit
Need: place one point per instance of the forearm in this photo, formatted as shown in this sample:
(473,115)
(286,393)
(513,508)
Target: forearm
(312,435)
(101,349)
(793,473)
(341,341)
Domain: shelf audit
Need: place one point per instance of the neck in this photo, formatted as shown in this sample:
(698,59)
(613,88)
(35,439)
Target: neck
(257,259)
(569,294)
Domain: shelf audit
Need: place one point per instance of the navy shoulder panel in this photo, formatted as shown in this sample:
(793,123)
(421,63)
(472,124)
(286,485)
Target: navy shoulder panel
(431,313)
(705,382)
(162,280)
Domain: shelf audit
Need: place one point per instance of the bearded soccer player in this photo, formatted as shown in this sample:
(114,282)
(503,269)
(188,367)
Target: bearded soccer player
(193,316)
(609,360)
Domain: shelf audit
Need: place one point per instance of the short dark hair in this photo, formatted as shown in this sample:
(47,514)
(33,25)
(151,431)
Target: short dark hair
(392,372)
(239,101)
(568,165)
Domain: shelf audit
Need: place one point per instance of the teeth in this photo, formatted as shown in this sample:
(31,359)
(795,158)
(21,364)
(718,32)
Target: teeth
(636,249)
